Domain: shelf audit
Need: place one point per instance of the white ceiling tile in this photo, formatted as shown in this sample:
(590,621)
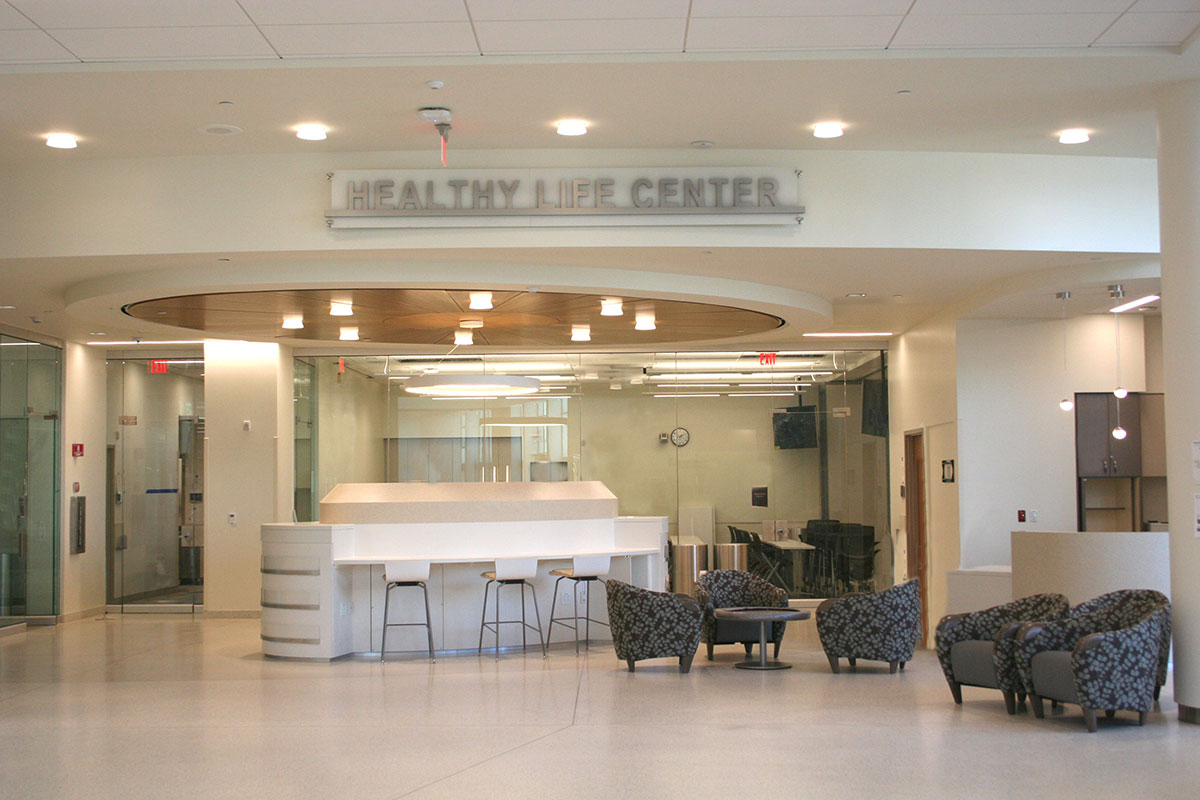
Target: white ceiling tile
(492,10)
(133,44)
(30,45)
(582,36)
(1151,29)
(387,39)
(790,33)
(11,20)
(131,13)
(923,7)
(1002,30)
(1164,6)
(330,12)
(798,8)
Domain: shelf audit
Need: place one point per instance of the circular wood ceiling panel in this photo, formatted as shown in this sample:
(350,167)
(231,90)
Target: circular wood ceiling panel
(430,317)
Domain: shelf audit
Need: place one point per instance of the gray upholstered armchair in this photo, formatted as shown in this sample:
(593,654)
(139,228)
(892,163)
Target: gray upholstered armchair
(883,626)
(728,588)
(979,648)
(1110,654)
(649,624)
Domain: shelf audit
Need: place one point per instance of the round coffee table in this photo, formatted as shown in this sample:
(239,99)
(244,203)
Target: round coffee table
(764,617)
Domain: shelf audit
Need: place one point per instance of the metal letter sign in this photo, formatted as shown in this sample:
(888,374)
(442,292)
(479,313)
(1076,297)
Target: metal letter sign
(555,197)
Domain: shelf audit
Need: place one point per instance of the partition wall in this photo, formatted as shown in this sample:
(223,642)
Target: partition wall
(696,437)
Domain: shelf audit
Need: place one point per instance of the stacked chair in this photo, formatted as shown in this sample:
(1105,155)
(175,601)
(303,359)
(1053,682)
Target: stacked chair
(979,648)
(1108,654)
(728,588)
(882,626)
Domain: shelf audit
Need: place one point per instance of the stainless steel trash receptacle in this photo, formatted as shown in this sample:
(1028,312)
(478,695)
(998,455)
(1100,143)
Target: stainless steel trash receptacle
(687,562)
(731,556)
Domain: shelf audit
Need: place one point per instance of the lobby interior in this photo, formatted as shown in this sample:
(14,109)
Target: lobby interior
(948,243)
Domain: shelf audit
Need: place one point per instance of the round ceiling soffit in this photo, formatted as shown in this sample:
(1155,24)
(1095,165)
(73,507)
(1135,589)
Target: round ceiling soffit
(431,317)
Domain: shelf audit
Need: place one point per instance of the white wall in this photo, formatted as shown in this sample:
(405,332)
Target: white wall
(84,377)
(923,397)
(1016,446)
(247,473)
(267,202)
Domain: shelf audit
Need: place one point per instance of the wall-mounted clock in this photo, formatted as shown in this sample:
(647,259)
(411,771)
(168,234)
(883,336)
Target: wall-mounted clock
(680,437)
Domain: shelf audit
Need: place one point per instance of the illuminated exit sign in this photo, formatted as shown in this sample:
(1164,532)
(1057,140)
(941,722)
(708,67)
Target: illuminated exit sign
(766,359)
(158,366)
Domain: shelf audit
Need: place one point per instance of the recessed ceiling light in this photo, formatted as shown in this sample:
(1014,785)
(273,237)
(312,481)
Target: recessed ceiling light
(464,338)
(311,132)
(221,129)
(62,141)
(611,307)
(341,308)
(581,333)
(572,127)
(294,322)
(480,301)
(348,334)
(644,321)
(828,130)
(225,103)
(702,144)
(856,294)
(97,333)
(1074,136)
(8,308)
(470,324)
(904,92)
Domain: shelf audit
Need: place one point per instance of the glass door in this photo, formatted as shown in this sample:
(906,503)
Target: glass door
(30,378)
(156,491)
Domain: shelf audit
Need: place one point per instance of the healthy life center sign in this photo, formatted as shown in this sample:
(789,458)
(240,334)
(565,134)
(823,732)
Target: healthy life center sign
(557,197)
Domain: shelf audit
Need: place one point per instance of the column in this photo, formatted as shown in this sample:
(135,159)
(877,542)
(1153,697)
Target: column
(248,466)
(1179,223)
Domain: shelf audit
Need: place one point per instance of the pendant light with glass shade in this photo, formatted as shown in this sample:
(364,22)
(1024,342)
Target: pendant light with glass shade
(1066,404)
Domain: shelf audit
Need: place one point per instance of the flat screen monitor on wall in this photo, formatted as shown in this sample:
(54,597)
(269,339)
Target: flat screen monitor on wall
(795,427)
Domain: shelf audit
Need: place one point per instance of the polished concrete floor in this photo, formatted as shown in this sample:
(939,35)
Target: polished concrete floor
(165,706)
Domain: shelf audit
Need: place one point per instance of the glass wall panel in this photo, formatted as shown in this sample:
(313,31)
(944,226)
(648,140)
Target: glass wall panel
(156,490)
(304,374)
(787,451)
(30,391)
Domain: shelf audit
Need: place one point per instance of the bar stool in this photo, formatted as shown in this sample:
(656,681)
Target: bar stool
(585,570)
(516,571)
(405,573)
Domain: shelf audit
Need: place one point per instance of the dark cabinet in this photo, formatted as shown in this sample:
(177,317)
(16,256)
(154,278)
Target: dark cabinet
(1098,454)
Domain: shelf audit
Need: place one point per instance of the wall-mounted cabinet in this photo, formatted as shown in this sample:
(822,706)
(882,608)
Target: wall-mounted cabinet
(1120,482)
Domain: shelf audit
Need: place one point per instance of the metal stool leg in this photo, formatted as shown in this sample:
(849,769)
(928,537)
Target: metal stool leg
(575,607)
(524,643)
(383,639)
(428,622)
(553,601)
(483,619)
(498,585)
(541,637)
(587,615)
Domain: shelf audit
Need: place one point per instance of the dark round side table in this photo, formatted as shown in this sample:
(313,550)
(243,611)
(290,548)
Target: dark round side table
(764,617)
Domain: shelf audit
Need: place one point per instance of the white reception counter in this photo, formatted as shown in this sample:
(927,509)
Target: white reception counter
(322,594)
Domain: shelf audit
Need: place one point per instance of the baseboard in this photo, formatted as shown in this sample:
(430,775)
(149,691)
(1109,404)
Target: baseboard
(11,630)
(41,621)
(1189,714)
(86,613)
(252,614)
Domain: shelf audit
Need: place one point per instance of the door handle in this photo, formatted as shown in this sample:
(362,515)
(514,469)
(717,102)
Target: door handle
(1104,464)
(1114,465)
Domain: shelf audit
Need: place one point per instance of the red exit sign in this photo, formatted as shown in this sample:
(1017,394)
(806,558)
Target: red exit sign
(766,359)
(158,366)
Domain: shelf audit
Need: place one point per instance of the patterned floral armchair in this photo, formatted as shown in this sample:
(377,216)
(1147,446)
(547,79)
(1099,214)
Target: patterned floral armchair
(879,627)
(979,648)
(1109,654)
(649,624)
(728,588)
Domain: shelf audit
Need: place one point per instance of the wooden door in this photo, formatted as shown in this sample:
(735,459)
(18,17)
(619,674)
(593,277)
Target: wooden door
(914,510)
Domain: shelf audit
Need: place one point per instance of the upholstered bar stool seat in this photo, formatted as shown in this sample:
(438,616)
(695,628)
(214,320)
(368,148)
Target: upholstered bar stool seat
(405,573)
(586,570)
(510,571)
